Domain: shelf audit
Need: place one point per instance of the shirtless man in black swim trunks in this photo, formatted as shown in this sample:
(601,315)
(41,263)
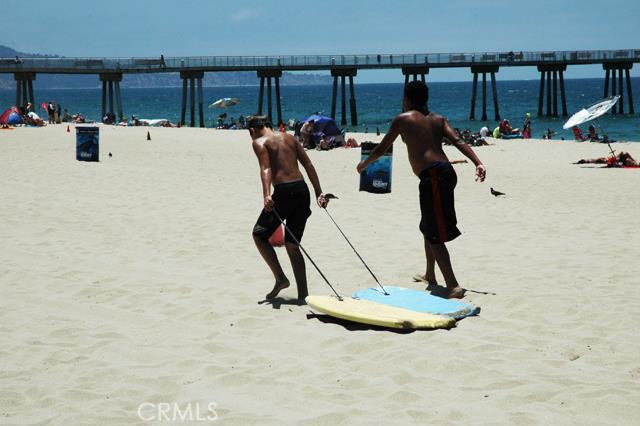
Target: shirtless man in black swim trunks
(423,132)
(278,155)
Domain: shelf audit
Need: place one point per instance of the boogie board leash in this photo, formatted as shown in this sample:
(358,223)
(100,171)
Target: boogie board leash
(356,252)
(307,254)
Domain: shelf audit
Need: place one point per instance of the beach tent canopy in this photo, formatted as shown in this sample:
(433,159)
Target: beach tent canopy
(326,125)
(11,116)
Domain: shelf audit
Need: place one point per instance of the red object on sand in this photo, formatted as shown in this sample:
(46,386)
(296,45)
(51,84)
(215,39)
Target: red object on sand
(277,238)
(68,131)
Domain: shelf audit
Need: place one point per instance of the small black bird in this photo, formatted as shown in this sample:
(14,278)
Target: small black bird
(496,193)
(110,155)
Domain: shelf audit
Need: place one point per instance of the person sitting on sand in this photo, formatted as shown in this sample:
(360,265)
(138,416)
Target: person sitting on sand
(351,143)
(423,132)
(66,117)
(278,155)
(506,129)
(623,159)
(306,134)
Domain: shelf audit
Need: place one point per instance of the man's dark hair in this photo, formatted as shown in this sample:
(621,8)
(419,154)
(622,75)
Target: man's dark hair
(417,93)
(257,122)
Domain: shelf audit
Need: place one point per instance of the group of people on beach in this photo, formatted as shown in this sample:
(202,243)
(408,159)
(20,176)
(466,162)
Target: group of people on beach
(286,196)
(29,117)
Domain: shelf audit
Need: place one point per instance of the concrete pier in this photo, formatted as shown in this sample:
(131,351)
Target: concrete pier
(111,81)
(549,76)
(265,75)
(484,69)
(342,73)
(618,82)
(24,88)
(189,81)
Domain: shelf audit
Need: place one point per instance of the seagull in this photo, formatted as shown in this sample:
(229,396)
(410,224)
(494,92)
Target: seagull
(496,193)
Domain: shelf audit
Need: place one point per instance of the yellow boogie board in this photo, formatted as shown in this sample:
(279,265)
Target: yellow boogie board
(373,313)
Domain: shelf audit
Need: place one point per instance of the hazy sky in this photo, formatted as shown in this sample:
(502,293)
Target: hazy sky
(253,27)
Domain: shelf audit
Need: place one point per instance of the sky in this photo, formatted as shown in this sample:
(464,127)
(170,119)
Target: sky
(128,28)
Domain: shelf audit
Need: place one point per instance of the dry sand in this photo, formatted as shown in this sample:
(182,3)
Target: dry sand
(135,280)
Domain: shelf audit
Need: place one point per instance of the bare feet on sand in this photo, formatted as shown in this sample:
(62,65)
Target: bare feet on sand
(276,289)
(427,279)
(455,293)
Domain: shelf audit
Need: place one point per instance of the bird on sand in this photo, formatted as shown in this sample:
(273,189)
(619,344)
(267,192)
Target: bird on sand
(496,193)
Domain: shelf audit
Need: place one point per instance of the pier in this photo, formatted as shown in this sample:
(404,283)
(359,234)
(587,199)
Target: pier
(552,65)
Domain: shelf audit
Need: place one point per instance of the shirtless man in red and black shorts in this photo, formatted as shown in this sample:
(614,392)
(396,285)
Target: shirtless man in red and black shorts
(278,155)
(423,132)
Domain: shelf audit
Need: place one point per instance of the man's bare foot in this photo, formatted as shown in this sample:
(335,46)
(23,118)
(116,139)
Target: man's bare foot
(276,289)
(455,293)
(427,279)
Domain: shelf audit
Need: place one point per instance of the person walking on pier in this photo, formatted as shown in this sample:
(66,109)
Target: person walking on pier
(423,132)
(278,155)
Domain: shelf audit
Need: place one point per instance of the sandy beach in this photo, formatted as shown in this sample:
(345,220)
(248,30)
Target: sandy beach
(134,282)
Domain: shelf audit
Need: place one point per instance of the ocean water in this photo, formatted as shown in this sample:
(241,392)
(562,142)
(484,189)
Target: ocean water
(377,104)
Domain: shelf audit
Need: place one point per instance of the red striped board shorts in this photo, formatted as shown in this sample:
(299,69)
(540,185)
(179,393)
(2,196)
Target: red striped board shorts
(438,222)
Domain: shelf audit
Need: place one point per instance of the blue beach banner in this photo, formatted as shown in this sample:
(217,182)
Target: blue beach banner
(87,143)
(377,177)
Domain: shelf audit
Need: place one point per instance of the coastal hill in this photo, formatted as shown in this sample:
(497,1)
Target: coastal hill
(62,81)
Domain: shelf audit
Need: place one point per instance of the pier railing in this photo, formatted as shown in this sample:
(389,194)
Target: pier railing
(311,62)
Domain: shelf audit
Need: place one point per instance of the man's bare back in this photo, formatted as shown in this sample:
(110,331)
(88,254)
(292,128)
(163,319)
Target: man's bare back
(284,155)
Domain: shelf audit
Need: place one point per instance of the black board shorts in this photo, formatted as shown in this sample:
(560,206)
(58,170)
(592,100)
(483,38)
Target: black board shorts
(438,222)
(292,202)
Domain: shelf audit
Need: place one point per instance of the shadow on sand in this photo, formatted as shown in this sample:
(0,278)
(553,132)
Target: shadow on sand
(277,302)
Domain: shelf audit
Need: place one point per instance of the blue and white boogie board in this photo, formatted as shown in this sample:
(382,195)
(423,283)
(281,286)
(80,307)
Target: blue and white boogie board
(418,300)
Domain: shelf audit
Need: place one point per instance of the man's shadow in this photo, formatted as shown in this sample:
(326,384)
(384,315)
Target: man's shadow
(277,302)
(437,290)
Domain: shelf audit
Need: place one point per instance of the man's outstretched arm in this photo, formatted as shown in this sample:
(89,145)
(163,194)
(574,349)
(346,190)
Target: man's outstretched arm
(450,134)
(383,147)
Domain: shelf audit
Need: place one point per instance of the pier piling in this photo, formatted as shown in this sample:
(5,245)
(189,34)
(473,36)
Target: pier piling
(24,88)
(267,75)
(189,81)
(474,90)
(484,69)
(552,73)
(615,70)
(629,91)
(110,84)
(342,74)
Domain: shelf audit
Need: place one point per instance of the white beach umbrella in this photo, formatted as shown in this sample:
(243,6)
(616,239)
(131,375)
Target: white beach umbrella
(225,102)
(591,112)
